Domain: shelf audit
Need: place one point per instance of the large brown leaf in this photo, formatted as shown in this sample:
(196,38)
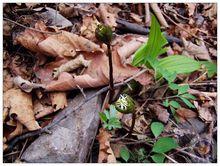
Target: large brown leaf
(21,108)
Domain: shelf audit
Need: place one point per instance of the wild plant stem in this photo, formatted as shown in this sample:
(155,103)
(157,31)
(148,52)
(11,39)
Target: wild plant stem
(111,83)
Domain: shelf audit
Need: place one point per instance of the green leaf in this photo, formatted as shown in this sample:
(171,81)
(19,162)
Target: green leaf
(102,117)
(157,128)
(114,123)
(173,86)
(166,103)
(178,64)
(125,154)
(148,52)
(107,114)
(173,110)
(211,67)
(183,89)
(113,111)
(174,104)
(158,158)
(164,145)
(187,102)
(188,96)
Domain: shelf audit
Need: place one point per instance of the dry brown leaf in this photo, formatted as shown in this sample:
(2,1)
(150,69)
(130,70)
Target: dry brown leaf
(136,17)
(64,44)
(204,113)
(160,112)
(59,100)
(41,110)
(21,108)
(191,8)
(88,28)
(198,51)
(7,81)
(107,17)
(18,131)
(210,11)
(71,65)
(184,114)
(106,154)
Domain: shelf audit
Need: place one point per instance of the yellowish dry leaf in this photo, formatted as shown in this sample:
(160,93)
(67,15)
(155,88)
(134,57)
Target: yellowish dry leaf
(58,100)
(21,108)
(18,131)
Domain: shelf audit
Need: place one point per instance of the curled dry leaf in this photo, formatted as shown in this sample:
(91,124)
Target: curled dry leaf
(107,17)
(71,65)
(106,154)
(184,114)
(18,131)
(204,113)
(64,44)
(193,50)
(25,85)
(59,100)
(21,108)
(160,112)
(41,110)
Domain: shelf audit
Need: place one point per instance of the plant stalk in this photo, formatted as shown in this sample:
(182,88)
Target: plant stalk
(111,83)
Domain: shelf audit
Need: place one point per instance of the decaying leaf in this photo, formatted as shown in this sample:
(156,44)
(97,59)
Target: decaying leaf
(107,17)
(89,26)
(160,112)
(8,81)
(41,110)
(71,65)
(184,113)
(199,51)
(105,152)
(191,8)
(204,113)
(64,44)
(18,131)
(94,76)
(58,100)
(21,108)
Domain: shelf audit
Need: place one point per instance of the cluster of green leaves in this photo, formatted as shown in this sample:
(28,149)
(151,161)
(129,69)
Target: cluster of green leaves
(137,156)
(110,119)
(170,66)
(162,145)
(182,94)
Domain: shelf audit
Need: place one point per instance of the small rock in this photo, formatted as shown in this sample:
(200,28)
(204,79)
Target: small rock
(71,139)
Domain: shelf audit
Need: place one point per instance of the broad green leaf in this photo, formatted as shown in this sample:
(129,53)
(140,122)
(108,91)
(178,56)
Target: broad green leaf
(187,102)
(157,128)
(164,145)
(174,104)
(211,67)
(173,86)
(114,123)
(102,117)
(178,64)
(188,96)
(107,114)
(125,154)
(183,89)
(166,103)
(158,158)
(154,47)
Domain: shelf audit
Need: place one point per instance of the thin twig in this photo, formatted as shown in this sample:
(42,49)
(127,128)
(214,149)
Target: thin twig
(169,158)
(23,148)
(37,30)
(111,81)
(68,111)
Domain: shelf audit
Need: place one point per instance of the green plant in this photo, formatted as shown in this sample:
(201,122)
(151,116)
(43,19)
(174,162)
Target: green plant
(170,66)
(125,104)
(157,128)
(110,119)
(124,153)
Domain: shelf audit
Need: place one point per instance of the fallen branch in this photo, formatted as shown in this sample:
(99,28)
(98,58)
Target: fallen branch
(68,112)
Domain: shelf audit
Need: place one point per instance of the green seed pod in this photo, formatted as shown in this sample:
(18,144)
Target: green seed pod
(125,104)
(103,33)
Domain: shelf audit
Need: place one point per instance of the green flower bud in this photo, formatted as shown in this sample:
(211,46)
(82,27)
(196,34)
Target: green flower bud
(103,33)
(125,104)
